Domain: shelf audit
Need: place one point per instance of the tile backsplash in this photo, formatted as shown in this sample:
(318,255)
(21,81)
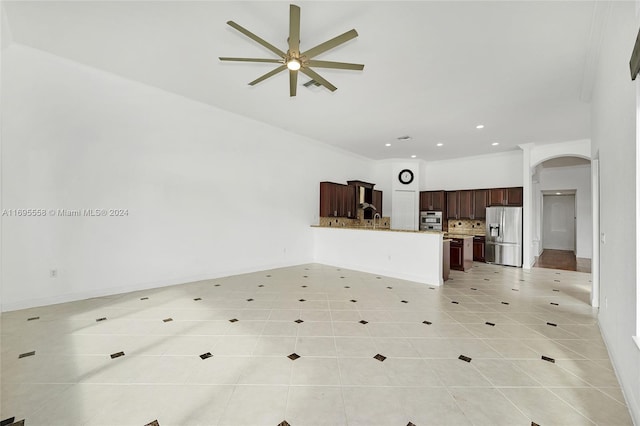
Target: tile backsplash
(382,223)
(467,226)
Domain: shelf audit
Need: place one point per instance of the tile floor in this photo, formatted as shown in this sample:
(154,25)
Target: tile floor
(468,353)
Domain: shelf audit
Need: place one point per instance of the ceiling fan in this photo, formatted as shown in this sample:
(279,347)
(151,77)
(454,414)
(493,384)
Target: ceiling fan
(293,59)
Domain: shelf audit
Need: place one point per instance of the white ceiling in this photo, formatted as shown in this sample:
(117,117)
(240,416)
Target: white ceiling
(433,70)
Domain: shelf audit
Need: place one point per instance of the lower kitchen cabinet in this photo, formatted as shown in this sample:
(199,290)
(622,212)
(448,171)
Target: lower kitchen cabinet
(478,249)
(461,253)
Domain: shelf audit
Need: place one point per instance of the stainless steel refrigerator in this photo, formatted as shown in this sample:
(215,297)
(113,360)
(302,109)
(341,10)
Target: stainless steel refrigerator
(503,239)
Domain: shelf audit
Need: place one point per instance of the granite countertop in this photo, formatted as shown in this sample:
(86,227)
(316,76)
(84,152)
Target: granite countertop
(361,228)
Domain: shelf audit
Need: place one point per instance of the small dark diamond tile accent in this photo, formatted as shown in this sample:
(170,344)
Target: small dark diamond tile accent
(167,320)
(284,423)
(117,355)
(410,424)
(555,289)
(427,322)
(233,320)
(474,289)
(505,303)
(8,421)
(364,322)
(378,278)
(33,318)
(269,276)
(341,277)
(346,286)
(557,273)
(304,286)
(464,358)
(206,355)
(261,285)
(554,304)
(293,356)
(197,298)
(144,298)
(433,288)
(496,272)
(380,357)
(546,358)
(353,300)
(556,281)
(101,319)
(249,300)
(552,324)
(534,424)
(389,288)
(490,323)
(301,300)
(305,276)
(487,279)
(217,285)
(298,321)
(26,354)
(454,302)
(404,301)
(515,289)
(153,423)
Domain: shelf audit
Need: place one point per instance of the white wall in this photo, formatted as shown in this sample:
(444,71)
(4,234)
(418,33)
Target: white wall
(613,138)
(576,178)
(208,193)
(559,224)
(485,171)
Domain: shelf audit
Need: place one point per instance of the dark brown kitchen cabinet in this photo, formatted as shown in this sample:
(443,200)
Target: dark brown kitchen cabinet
(461,253)
(506,196)
(478,249)
(337,200)
(432,201)
(377,201)
(460,205)
(465,205)
(452,205)
(455,256)
(480,203)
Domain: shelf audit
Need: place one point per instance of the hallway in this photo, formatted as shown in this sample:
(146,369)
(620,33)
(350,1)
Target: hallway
(562,259)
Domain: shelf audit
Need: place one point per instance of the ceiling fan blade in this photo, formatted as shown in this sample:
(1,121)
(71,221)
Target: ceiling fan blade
(269,74)
(314,75)
(271,61)
(293,82)
(294,30)
(337,65)
(330,44)
(254,37)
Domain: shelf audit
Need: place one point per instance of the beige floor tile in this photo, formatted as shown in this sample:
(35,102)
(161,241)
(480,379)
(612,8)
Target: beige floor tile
(321,406)
(543,407)
(373,406)
(363,372)
(596,406)
(315,371)
(256,405)
(487,407)
(431,407)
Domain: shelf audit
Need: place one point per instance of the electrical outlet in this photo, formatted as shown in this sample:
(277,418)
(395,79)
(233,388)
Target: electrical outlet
(53,273)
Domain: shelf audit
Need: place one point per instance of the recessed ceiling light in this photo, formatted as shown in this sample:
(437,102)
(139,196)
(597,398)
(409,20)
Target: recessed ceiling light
(495,144)
(480,126)
(439,144)
(413,156)
(558,193)
(387,144)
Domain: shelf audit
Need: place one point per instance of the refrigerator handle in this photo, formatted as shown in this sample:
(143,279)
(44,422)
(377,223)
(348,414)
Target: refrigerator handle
(503,215)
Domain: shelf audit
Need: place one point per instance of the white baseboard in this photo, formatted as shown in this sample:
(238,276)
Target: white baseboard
(72,297)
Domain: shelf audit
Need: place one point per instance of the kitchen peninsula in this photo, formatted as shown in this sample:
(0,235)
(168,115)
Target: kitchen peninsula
(408,255)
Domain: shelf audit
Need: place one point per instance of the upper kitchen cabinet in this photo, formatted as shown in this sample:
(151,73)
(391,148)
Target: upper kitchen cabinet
(432,201)
(506,196)
(452,205)
(460,204)
(480,203)
(377,201)
(337,200)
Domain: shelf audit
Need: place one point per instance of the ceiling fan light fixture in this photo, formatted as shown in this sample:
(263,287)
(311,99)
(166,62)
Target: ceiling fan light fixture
(294,64)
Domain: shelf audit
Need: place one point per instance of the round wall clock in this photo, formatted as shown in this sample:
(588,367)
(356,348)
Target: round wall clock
(405,176)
